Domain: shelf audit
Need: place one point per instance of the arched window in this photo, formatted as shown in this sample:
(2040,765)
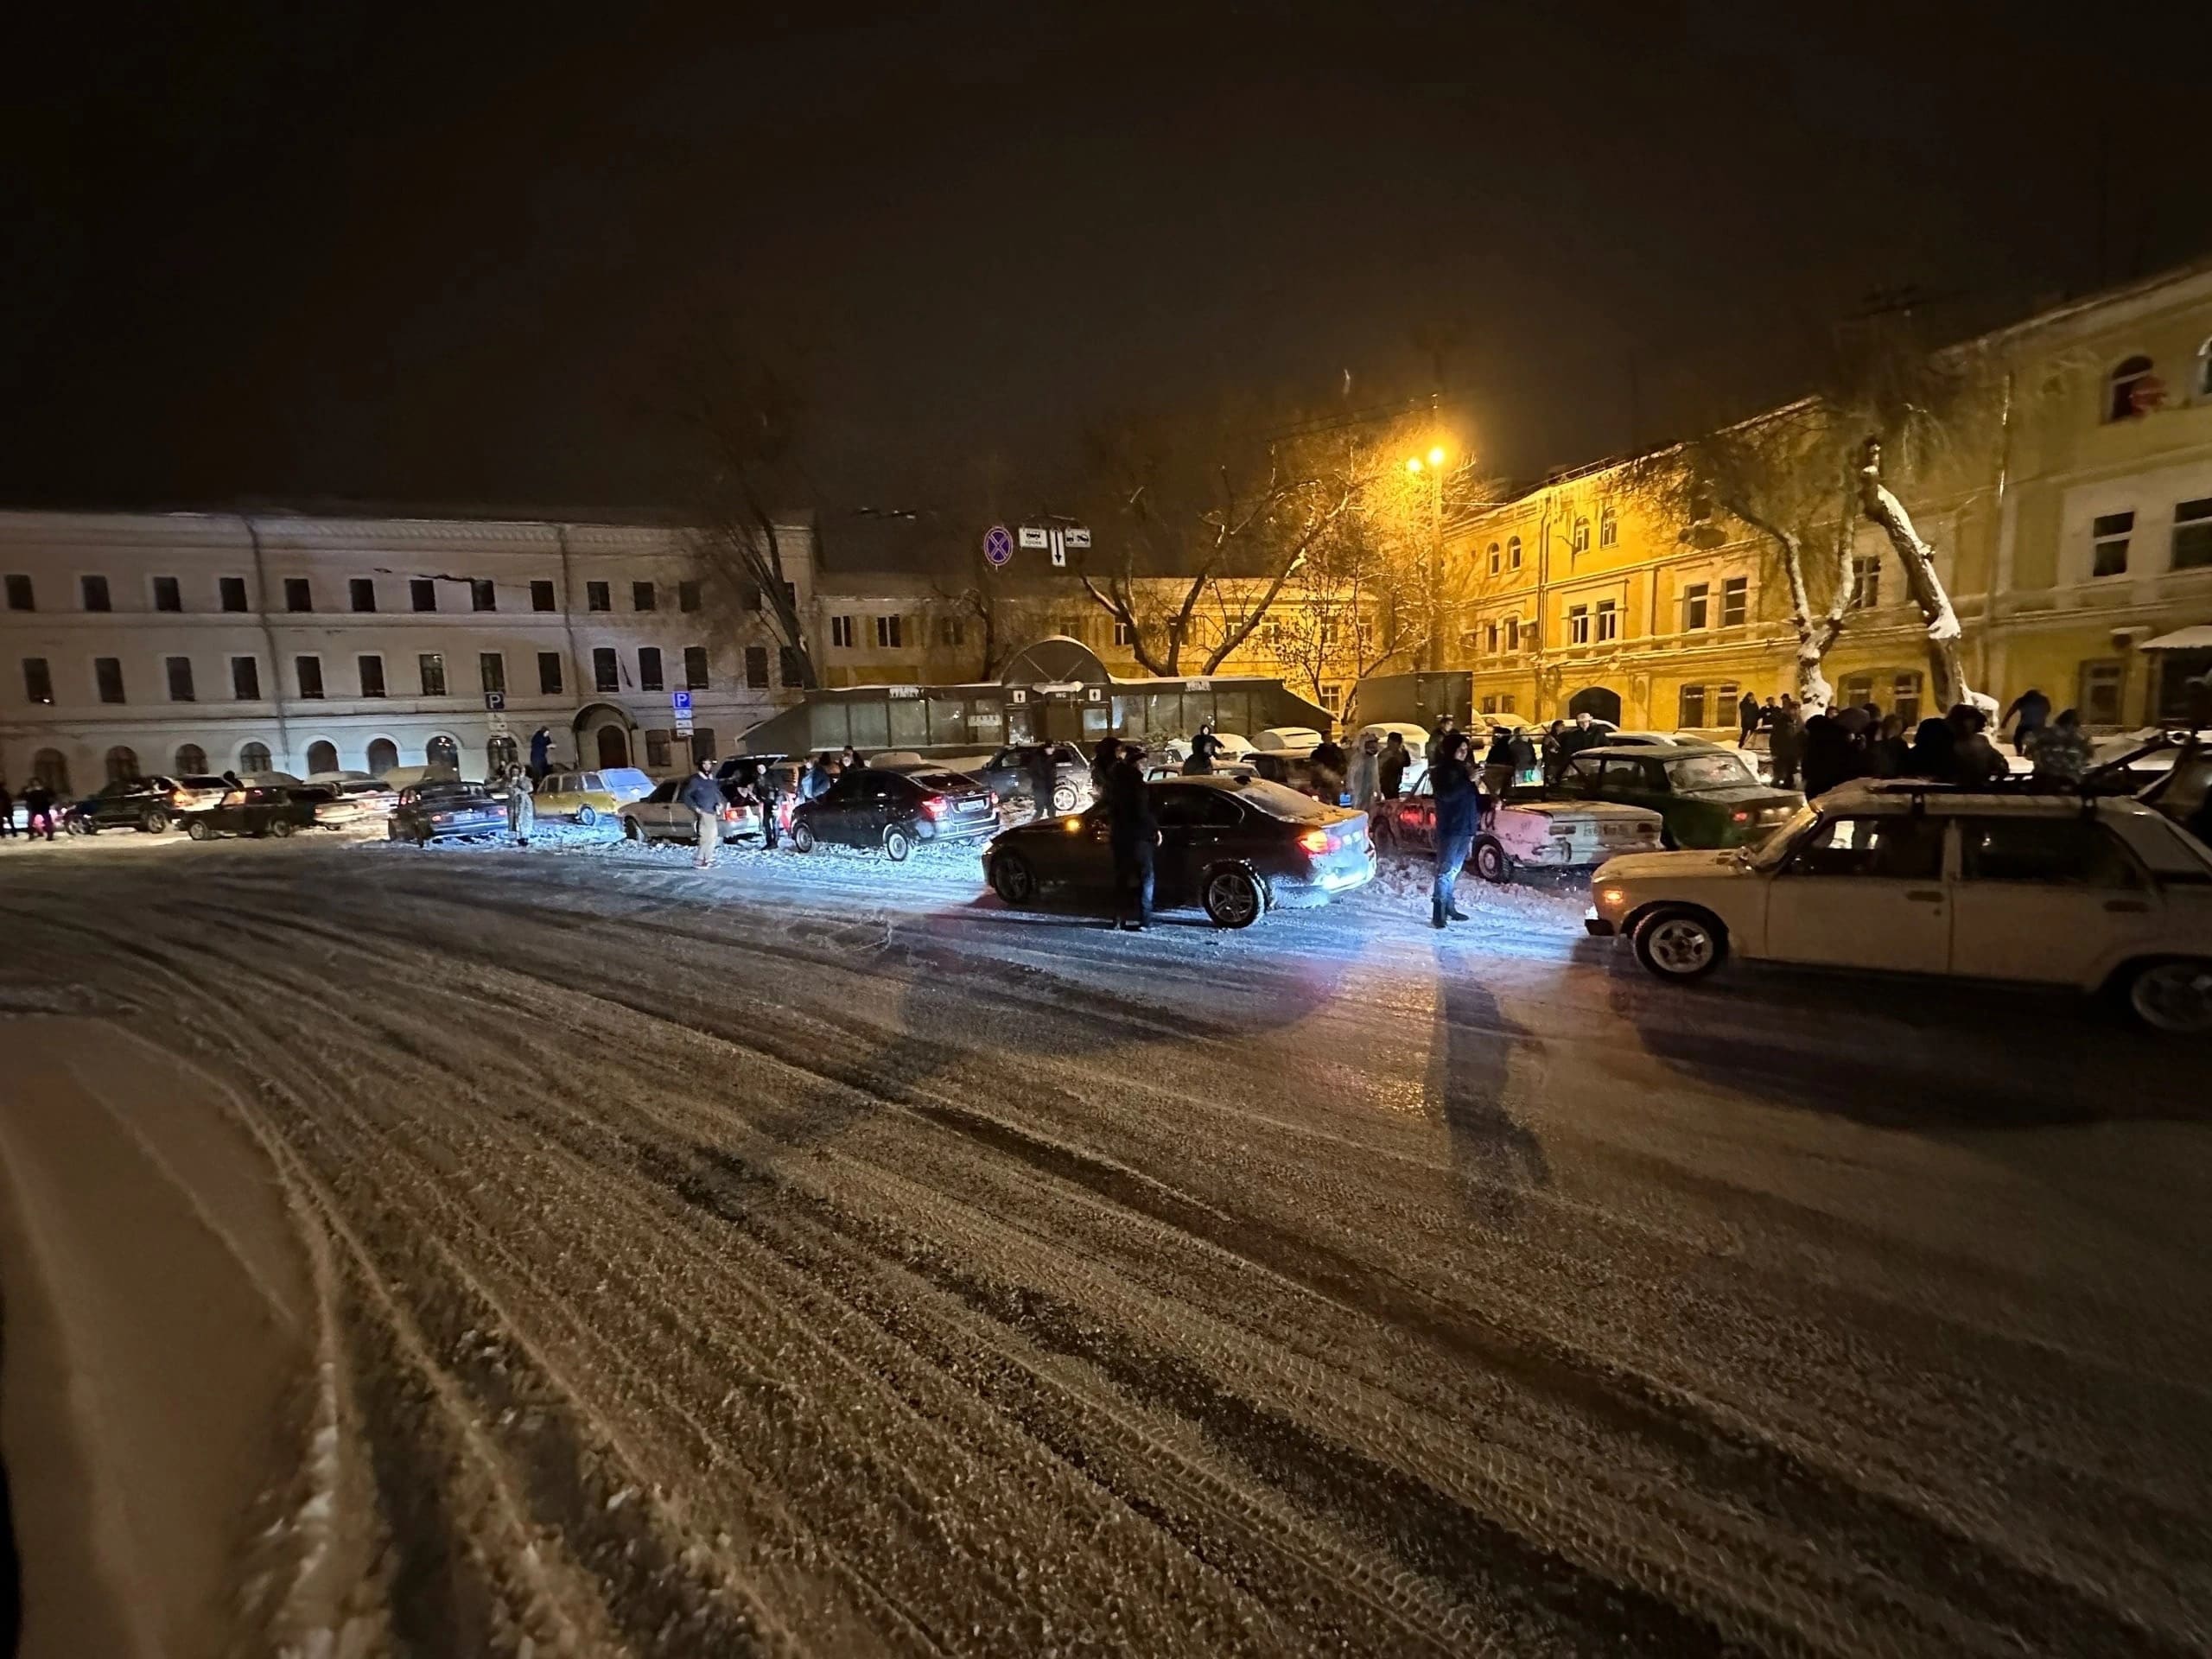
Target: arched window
(1609,526)
(1494,566)
(2131,389)
(253,757)
(383,755)
(1513,552)
(122,763)
(51,767)
(443,750)
(1582,535)
(499,754)
(191,761)
(321,757)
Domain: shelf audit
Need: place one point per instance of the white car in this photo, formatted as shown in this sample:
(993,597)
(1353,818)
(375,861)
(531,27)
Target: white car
(1533,834)
(1233,748)
(661,817)
(1290,739)
(2057,889)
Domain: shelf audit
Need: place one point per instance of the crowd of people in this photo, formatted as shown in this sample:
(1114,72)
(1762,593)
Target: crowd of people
(1816,752)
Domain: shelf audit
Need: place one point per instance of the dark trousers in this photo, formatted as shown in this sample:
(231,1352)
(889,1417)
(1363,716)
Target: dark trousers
(1451,858)
(1133,870)
(7,821)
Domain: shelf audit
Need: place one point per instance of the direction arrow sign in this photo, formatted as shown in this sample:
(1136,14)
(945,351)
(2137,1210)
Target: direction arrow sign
(1035,536)
(998,547)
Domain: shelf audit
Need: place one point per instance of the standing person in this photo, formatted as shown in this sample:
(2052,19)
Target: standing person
(1784,742)
(2030,711)
(1747,718)
(1456,807)
(849,760)
(1935,753)
(1103,760)
(1526,768)
(1329,763)
(2062,750)
(1044,778)
(1133,833)
(7,813)
(1446,725)
(541,755)
(704,797)
(1555,753)
(1499,768)
(1365,776)
(522,806)
(1827,758)
(815,782)
(1390,768)
(764,785)
(1890,755)
(1977,763)
(1205,746)
(38,810)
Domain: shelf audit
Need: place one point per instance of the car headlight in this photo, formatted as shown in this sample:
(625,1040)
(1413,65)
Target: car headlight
(1611,899)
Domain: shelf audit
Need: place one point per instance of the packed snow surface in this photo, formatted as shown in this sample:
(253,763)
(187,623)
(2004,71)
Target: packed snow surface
(815,1256)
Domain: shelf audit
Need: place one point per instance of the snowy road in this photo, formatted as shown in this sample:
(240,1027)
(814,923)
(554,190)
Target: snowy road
(817,1257)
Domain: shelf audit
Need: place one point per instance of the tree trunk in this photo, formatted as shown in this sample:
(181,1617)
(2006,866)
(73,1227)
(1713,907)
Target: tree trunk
(1946,662)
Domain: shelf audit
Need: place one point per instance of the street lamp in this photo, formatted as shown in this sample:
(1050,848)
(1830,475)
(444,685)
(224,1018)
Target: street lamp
(1434,596)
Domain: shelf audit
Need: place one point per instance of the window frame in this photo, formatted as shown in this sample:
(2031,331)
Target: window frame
(1735,601)
(544,595)
(2110,529)
(430,666)
(423,594)
(368,667)
(300,589)
(552,674)
(2120,381)
(359,588)
(244,668)
(1607,612)
(651,671)
(169,588)
(1697,599)
(171,665)
(306,665)
(2197,527)
(89,585)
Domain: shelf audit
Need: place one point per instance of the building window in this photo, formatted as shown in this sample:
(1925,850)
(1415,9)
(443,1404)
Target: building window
(1696,604)
(687,595)
(1505,703)
(1490,705)
(606,673)
(2099,700)
(887,632)
(309,671)
(2108,536)
(252,757)
(38,680)
(2131,390)
(492,670)
(167,596)
(1609,526)
(1856,691)
(423,593)
(694,667)
(431,666)
(1578,625)
(1125,634)
(372,672)
(2193,534)
(20,597)
(642,597)
(245,679)
(1581,537)
(298,596)
(233,589)
(1512,633)
(191,761)
(841,633)
(540,595)
(597,597)
(1735,601)
(1865,582)
(1689,708)
(656,749)
(952,631)
(1609,621)
(787,668)
(1497,559)
(756,667)
(1490,639)
(1332,697)
(322,757)
(364,592)
(549,673)
(702,744)
(1513,552)
(122,765)
(483,596)
(382,755)
(180,672)
(107,673)
(95,589)
(649,668)
(1905,698)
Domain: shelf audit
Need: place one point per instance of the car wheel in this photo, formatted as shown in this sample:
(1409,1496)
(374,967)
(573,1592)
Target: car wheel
(897,844)
(1012,879)
(587,816)
(1063,798)
(199,829)
(629,830)
(1491,862)
(1679,942)
(802,837)
(76,827)
(155,821)
(2174,996)
(282,828)
(1234,897)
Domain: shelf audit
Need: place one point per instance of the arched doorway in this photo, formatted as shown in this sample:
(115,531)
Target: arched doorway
(383,755)
(1596,702)
(253,757)
(443,753)
(191,761)
(613,746)
(122,765)
(321,757)
(499,755)
(51,767)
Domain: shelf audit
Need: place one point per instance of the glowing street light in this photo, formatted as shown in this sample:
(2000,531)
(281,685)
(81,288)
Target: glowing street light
(1413,463)
(1436,456)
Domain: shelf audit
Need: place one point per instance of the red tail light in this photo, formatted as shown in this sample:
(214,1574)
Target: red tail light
(1318,841)
(991,799)
(1740,817)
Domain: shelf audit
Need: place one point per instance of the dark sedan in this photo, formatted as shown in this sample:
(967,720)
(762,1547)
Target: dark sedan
(1013,771)
(256,811)
(895,811)
(1236,847)
(1708,796)
(429,810)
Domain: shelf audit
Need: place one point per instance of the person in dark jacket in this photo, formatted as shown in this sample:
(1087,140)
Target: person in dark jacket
(1457,806)
(1133,834)
(7,814)
(764,790)
(1747,718)
(704,797)
(1103,760)
(1390,765)
(1205,746)
(38,810)
(1935,755)
(1785,742)
(1043,768)
(1828,758)
(2031,709)
(1977,763)
(1328,763)
(1890,755)
(541,755)
(1498,769)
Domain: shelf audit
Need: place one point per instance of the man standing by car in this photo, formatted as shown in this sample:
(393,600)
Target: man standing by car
(704,797)
(1133,834)
(1785,742)
(1329,762)
(1747,718)
(1205,746)
(541,755)
(522,806)
(1044,775)
(1390,770)
(1499,768)
(1456,806)
(7,813)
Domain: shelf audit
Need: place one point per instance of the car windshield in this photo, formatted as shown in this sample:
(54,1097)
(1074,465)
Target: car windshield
(1278,802)
(446,792)
(945,783)
(1771,851)
(1694,772)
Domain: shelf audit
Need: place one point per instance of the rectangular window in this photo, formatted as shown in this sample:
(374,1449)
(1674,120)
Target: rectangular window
(2101,688)
(756,667)
(1609,621)
(1497,559)
(549,673)
(1490,637)
(482,594)
(656,749)
(423,593)
(649,668)
(694,667)
(245,679)
(20,597)
(167,596)
(841,633)
(606,673)
(787,666)
(2193,534)
(309,671)
(491,669)
(540,595)
(1609,528)
(298,596)
(431,666)
(1490,705)
(364,592)
(1695,601)
(748,596)
(1512,633)
(702,744)
(38,680)
(1904,699)
(1124,634)
(233,589)
(1689,708)
(179,670)
(1856,691)
(1578,625)
(687,595)
(597,597)
(642,597)
(1735,601)
(371,672)
(95,589)
(887,632)
(1505,703)
(107,673)
(2108,537)
(1866,582)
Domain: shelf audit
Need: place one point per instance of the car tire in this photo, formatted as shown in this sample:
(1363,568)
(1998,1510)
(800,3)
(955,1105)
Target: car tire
(282,828)
(898,843)
(1233,897)
(1063,798)
(1680,943)
(1012,879)
(2172,995)
(1492,863)
(802,837)
(587,816)
(76,827)
(631,831)
(154,821)
(201,830)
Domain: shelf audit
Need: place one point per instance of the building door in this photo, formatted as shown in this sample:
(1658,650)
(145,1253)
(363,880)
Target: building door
(1597,702)
(443,752)
(613,746)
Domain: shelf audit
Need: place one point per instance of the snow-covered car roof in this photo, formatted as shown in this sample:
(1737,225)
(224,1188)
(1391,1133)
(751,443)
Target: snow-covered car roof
(1916,794)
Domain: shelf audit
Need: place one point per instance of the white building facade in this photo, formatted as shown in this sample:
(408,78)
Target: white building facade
(169,642)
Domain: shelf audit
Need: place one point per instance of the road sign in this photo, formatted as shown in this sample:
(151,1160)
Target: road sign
(498,724)
(495,700)
(1035,536)
(998,547)
(1197,685)
(680,703)
(1077,534)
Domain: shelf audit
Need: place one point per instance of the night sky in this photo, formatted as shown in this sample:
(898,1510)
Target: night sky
(446,255)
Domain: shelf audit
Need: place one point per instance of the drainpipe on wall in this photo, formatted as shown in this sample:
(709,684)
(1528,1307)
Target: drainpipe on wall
(569,628)
(2001,575)
(1543,630)
(268,638)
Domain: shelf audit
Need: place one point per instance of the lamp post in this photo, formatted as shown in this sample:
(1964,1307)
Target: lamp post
(1432,465)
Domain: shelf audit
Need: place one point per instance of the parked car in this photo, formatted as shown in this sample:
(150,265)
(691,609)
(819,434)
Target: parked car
(1531,828)
(895,811)
(333,811)
(745,773)
(587,797)
(257,810)
(1236,847)
(662,817)
(1010,771)
(1293,739)
(142,804)
(1708,796)
(445,807)
(1234,747)
(2100,894)
(375,797)
(1291,770)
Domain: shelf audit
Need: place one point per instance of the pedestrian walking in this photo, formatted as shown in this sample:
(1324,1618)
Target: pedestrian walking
(7,814)
(1456,808)
(1747,718)
(704,797)
(2028,711)
(522,806)
(2060,750)
(1365,777)
(541,755)
(1390,767)
(1784,742)
(1132,834)
(1329,763)
(38,810)
(1044,778)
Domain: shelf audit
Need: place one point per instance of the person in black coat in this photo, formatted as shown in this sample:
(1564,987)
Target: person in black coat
(1747,718)
(38,810)
(1044,769)
(7,814)
(1102,761)
(1458,806)
(1328,763)
(1133,833)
